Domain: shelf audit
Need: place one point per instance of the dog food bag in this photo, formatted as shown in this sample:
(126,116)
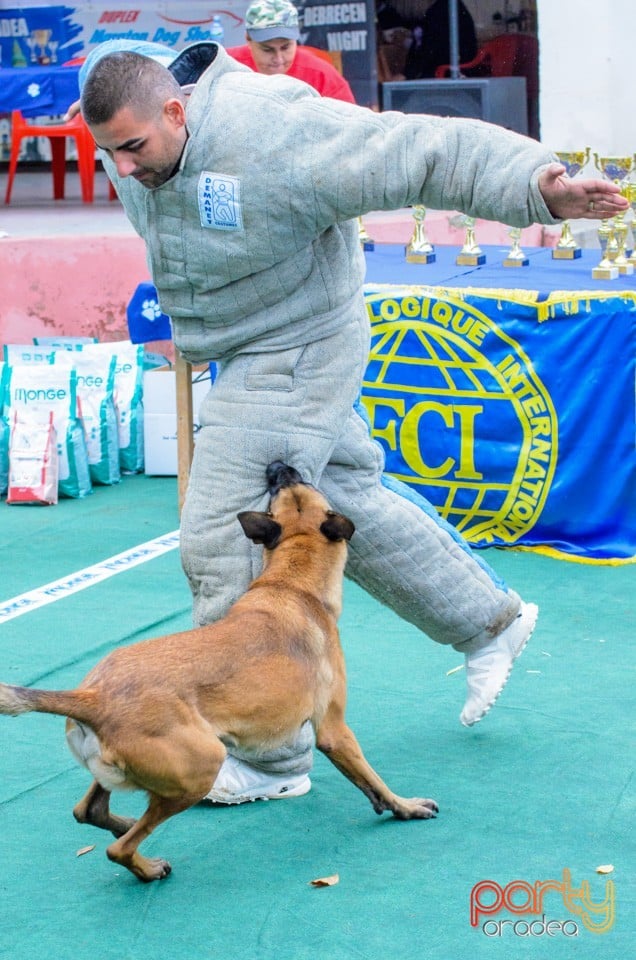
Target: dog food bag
(34,392)
(64,343)
(128,401)
(33,462)
(4,432)
(17,354)
(95,370)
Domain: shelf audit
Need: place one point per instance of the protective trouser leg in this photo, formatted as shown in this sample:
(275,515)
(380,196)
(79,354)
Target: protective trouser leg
(290,406)
(403,554)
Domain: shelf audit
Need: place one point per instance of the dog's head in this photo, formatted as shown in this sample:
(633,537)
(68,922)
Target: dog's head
(295,508)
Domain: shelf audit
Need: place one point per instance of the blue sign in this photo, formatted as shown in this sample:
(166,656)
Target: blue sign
(39,36)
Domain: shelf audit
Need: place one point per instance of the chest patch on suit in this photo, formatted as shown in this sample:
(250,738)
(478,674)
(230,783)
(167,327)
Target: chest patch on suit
(220,201)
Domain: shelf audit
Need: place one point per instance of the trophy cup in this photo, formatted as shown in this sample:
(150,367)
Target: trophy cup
(629,191)
(42,38)
(567,247)
(365,239)
(614,169)
(622,259)
(516,257)
(470,254)
(31,42)
(605,269)
(419,248)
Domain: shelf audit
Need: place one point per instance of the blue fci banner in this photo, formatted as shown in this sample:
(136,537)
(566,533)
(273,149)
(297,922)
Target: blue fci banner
(514,418)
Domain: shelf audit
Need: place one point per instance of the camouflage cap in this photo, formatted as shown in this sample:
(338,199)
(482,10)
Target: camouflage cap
(272,20)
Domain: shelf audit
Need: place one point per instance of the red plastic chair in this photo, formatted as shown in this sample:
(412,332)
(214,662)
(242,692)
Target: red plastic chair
(508,55)
(57,134)
(77,62)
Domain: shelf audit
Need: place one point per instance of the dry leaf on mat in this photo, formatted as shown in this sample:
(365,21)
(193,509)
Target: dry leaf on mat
(83,850)
(455,670)
(605,868)
(325,881)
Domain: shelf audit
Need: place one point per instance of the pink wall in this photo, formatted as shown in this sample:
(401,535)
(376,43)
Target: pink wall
(81,285)
(68,286)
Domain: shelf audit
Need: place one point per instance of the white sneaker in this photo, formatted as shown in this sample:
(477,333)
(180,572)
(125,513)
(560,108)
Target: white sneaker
(488,669)
(237,782)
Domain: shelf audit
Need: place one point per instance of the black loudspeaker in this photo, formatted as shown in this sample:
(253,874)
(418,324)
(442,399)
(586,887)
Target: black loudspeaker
(499,100)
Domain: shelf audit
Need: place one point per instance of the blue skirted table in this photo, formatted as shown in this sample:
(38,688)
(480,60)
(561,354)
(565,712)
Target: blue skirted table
(43,91)
(506,396)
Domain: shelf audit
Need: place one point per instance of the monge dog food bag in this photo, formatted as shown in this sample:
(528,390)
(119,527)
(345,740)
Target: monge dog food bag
(33,461)
(64,343)
(34,392)
(96,407)
(17,354)
(128,401)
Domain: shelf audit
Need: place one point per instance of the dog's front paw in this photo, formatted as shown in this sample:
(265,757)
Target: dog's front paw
(154,869)
(417,808)
(144,868)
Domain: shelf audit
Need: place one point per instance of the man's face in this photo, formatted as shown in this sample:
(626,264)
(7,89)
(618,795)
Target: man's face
(146,146)
(273,56)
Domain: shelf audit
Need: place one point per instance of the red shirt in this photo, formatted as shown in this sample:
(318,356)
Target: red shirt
(308,67)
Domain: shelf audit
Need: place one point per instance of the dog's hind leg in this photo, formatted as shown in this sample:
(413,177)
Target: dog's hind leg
(337,741)
(94,809)
(176,774)
(124,851)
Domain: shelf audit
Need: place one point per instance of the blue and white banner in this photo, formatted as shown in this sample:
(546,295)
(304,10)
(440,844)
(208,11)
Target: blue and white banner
(515,417)
(42,34)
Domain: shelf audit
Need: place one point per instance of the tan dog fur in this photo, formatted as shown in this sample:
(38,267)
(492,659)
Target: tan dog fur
(156,716)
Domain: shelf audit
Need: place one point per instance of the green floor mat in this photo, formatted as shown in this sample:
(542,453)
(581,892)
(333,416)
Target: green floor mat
(542,786)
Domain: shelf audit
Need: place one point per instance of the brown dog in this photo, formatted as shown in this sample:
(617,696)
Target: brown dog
(156,716)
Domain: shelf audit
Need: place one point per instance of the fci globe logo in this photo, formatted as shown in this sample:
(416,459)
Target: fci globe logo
(460,413)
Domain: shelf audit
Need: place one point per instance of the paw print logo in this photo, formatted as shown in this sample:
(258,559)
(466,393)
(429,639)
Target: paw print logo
(33,90)
(145,317)
(150,310)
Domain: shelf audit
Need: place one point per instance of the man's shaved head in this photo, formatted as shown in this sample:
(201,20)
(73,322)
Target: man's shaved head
(126,79)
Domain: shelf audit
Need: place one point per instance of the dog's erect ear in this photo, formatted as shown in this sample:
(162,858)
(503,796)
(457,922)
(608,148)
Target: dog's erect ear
(337,527)
(260,528)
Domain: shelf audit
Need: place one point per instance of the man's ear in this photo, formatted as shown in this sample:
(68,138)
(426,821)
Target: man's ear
(337,527)
(175,111)
(260,528)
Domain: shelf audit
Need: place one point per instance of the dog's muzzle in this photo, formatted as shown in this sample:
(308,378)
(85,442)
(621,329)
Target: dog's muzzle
(281,475)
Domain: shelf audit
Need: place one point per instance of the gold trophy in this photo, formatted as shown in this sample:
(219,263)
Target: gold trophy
(622,260)
(419,248)
(515,257)
(605,270)
(612,240)
(365,239)
(629,191)
(471,254)
(567,248)
(41,39)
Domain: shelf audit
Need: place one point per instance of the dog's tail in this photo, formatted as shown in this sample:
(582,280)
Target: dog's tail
(65,703)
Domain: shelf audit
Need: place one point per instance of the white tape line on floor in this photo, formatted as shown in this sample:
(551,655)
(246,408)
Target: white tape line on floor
(34,599)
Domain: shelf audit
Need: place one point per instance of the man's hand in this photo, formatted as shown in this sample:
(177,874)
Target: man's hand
(72,111)
(572,198)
